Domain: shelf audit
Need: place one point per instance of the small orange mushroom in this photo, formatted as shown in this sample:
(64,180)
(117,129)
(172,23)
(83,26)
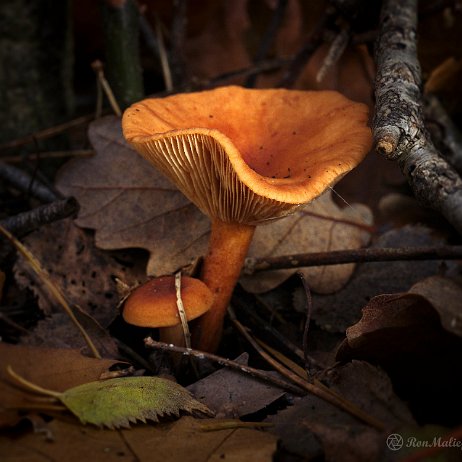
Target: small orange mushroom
(244,157)
(154,304)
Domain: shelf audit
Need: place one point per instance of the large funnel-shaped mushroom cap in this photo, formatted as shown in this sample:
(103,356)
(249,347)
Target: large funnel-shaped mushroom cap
(154,304)
(245,155)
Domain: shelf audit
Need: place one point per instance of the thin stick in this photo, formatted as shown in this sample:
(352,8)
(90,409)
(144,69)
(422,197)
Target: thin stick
(231,424)
(98,67)
(304,54)
(262,375)
(166,72)
(181,311)
(258,68)
(54,290)
(32,386)
(323,393)
(335,52)
(99,98)
(25,222)
(51,155)
(293,366)
(47,133)
(45,408)
(336,257)
(309,309)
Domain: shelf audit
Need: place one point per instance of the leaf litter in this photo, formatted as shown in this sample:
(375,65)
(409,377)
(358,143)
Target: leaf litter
(142,209)
(233,394)
(179,441)
(114,222)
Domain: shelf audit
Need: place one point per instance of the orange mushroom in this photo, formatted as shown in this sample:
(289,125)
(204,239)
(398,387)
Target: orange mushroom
(244,157)
(154,304)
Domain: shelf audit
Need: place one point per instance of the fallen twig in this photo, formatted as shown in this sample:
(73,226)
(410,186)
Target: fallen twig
(262,375)
(25,222)
(163,56)
(321,392)
(47,133)
(336,257)
(306,328)
(258,68)
(98,67)
(50,155)
(399,131)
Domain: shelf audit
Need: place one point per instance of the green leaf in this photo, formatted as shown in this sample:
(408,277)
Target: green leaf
(118,402)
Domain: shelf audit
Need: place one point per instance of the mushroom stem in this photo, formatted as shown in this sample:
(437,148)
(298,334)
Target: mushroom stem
(172,335)
(228,246)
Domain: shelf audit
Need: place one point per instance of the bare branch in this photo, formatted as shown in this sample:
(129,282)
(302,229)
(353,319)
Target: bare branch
(336,257)
(399,131)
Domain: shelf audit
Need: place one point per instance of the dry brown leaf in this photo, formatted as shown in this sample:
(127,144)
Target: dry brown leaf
(180,441)
(55,369)
(58,331)
(403,334)
(130,204)
(87,278)
(234,394)
(445,295)
(304,232)
(66,442)
(184,441)
(85,274)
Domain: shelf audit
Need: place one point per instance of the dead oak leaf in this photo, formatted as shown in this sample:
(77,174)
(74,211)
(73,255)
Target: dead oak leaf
(320,226)
(130,204)
(86,275)
(233,394)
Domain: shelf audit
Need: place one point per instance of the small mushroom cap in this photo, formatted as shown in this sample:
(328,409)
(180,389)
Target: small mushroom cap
(154,304)
(246,155)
